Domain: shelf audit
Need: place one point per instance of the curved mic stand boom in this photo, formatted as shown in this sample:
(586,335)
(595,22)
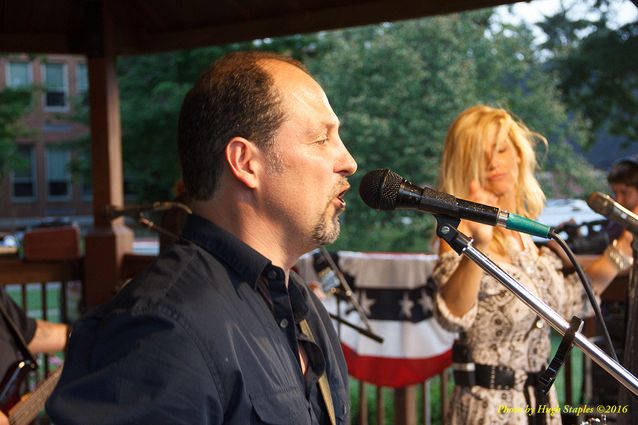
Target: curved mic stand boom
(446,230)
(138,215)
(346,292)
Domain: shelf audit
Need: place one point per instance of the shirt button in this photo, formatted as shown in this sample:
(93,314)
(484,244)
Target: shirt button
(272,274)
(283,323)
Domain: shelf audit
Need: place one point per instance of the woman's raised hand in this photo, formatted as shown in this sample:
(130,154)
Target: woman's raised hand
(481,233)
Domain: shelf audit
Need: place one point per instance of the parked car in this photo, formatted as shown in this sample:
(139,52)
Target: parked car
(9,244)
(559,211)
(577,224)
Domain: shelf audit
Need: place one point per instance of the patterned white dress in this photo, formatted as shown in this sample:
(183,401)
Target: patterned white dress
(502,331)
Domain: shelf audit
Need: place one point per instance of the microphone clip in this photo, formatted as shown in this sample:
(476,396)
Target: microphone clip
(447,229)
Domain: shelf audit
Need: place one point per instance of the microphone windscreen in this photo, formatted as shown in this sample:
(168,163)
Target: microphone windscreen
(379,189)
(601,203)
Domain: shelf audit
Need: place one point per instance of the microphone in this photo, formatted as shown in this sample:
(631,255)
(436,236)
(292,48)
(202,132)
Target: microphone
(114,211)
(605,205)
(326,274)
(384,189)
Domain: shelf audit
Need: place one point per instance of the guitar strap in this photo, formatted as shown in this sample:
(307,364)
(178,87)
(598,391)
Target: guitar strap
(17,336)
(324,387)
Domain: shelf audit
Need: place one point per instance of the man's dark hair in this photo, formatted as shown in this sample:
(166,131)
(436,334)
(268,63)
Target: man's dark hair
(625,171)
(235,97)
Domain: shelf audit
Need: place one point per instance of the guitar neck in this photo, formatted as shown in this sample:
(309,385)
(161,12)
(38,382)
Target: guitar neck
(27,409)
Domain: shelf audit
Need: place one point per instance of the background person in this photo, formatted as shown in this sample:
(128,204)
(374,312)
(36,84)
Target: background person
(623,181)
(215,330)
(489,158)
(40,336)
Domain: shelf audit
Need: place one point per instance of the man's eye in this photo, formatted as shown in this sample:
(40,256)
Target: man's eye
(322,141)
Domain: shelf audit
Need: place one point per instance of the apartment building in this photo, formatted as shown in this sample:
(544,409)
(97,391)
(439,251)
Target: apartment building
(45,189)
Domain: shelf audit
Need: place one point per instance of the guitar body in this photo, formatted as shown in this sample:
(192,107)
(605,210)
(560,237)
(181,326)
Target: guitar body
(10,386)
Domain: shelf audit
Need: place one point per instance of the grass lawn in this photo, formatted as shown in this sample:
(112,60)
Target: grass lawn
(388,402)
(53,298)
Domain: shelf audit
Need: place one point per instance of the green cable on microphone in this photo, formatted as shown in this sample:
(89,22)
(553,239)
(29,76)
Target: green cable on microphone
(525,225)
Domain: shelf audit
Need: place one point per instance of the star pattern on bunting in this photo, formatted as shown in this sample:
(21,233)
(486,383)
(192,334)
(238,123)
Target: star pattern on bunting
(365,302)
(425,301)
(406,305)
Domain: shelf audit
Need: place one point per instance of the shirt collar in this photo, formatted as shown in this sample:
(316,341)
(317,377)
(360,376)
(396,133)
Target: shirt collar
(244,260)
(299,297)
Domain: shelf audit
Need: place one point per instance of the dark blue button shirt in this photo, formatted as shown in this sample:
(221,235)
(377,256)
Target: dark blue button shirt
(209,334)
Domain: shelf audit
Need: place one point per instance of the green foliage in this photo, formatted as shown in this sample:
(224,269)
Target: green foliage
(80,164)
(14,103)
(597,71)
(397,87)
(599,80)
(152,89)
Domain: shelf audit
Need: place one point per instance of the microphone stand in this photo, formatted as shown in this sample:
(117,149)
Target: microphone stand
(149,224)
(446,230)
(630,356)
(144,221)
(346,293)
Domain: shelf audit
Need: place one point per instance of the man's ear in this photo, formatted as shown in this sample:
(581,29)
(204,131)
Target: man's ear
(243,158)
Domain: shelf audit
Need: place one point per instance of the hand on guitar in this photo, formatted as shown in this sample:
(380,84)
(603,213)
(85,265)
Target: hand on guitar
(28,408)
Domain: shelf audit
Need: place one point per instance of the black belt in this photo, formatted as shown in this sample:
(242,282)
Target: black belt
(492,377)
(498,378)
(488,376)
(467,373)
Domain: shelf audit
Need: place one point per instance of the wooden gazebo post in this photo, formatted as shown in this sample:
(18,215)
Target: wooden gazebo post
(109,240)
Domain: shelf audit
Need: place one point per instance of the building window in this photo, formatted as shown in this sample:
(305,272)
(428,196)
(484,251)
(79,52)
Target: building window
(82,84)
(23,177)
(54,78)
(18,74)
(58,175)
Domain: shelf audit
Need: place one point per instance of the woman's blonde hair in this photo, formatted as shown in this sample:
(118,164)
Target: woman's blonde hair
(464,156)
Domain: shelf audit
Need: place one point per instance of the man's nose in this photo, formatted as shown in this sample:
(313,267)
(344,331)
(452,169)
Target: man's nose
(346,164)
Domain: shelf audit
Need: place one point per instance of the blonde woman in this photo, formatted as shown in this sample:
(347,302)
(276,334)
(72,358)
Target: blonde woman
(489,158)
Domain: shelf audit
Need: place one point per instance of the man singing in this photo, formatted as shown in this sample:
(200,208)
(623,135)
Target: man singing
(219,330)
